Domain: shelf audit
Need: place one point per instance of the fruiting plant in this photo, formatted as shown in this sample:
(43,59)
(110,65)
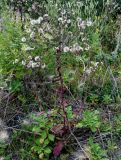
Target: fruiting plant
(60,65)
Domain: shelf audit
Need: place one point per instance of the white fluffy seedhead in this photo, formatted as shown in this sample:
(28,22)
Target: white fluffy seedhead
(4,136)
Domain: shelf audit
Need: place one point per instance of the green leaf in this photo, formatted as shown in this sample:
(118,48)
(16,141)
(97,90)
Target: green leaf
(37,141)
(79,125)
(15,85)
(36,129)
(44,134)
(46,142)
(51,137)
(49,125)
(36,149)
(47,150)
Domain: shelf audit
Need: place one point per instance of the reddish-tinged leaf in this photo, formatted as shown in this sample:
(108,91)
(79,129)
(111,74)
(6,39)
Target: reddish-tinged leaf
(78,107)
(61,90)
(58,148)
(41,113)
(65,103)
(59,130)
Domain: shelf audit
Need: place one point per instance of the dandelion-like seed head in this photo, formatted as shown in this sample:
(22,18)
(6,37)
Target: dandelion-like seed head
(63,12)
(23,39)
(3,135)
(68,21)
(29,65)
(37,58)
(39,20)
(32,35)
(66,49)
(26,122)
(89,23)
(60,19)
(23,62)
(43,66)
(30,57)
(78,48)
(40,30)
(33,22)
(15,61)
